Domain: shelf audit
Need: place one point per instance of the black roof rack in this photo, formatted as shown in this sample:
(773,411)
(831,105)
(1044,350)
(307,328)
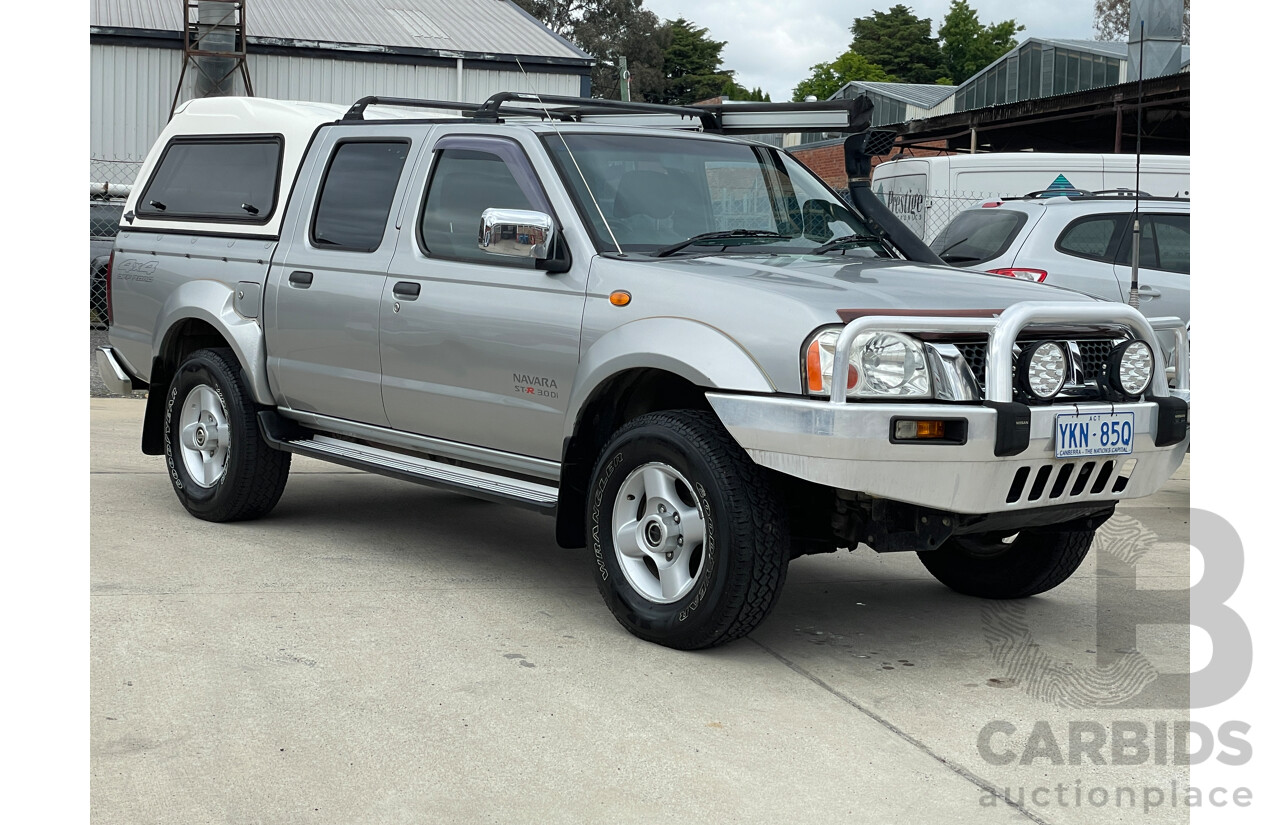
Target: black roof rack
(1041,194)
(733,118)
(1086,194)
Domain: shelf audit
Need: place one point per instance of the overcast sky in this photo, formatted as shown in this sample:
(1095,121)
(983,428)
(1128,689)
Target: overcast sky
(773,43)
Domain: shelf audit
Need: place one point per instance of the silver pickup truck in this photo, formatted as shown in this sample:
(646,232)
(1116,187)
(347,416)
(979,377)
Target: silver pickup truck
(678,342)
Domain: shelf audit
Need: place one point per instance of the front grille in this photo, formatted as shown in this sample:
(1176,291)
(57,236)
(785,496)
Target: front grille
(976,356)
(1094,355)
(1093,359)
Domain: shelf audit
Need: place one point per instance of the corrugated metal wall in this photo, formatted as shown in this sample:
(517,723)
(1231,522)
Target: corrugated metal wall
(131,88)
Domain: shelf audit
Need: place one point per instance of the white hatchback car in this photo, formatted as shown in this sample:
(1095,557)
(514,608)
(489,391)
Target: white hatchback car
(1081,241)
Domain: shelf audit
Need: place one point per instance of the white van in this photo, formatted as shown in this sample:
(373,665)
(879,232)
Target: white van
(926,193)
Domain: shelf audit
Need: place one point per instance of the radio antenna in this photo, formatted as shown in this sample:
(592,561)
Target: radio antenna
(1137,172)
(586,184)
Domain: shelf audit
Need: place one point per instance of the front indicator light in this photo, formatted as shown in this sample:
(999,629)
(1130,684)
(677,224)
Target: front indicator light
(908,429)
(1042,370)
(818,365)
(1129,368)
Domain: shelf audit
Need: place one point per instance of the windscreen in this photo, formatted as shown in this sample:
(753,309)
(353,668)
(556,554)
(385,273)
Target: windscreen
(647,194)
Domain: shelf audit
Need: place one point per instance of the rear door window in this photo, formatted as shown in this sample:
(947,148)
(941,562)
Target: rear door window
(355,198)
(978,235)
(1165,244)
(223,180)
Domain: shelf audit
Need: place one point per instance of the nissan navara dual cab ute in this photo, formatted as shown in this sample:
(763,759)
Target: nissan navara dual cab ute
(680,344)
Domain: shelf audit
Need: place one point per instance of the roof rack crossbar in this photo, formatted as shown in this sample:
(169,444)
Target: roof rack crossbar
(578,107)
(734,118)
(356,112)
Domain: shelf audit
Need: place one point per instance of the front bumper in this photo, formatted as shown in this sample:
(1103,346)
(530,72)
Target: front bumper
(848,447)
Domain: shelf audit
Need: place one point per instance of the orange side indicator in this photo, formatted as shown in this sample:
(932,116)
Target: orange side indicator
(908,429)
(930,429)
(620,297)
(813,370)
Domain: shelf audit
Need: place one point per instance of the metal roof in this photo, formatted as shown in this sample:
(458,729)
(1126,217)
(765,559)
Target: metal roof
(1106,48)
(451,27)
(924,95)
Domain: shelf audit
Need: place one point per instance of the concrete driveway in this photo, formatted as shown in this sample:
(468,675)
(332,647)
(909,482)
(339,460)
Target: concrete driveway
(374,652)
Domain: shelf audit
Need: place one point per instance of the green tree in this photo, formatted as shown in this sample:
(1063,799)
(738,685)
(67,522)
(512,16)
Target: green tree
(1111,20)
(968,46)
(692,66)
(827,78)
(900,43)
(557,15)
(608,30)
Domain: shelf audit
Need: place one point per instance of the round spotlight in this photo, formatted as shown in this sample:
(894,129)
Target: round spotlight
(1042,370)
(1130,367)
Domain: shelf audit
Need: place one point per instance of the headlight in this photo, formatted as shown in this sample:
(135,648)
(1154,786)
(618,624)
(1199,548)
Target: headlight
(1042,370)
(1129,368)
(882,365)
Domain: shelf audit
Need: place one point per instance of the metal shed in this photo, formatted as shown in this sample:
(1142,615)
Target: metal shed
(332,51)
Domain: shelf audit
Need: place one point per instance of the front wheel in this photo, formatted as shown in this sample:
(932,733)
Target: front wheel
(994,566)
(219,464)
(690,541)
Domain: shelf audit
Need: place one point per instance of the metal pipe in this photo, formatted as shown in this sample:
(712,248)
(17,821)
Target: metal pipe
(109,190)
(1002,333)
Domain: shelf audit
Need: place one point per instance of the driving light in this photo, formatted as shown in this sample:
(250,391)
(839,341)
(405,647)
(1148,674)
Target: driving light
(1042,370)
(1129,368)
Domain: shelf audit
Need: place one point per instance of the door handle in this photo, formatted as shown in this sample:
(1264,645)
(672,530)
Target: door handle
(300,279)
(407,290)
(1149,290)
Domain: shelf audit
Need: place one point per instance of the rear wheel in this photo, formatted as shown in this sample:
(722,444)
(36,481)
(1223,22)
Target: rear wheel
(219,464)
(1009,566)
(690,542)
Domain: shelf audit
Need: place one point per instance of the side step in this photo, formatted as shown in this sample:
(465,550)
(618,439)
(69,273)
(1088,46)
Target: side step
(283,434)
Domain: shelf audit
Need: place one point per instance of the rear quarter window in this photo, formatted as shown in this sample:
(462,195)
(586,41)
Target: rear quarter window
(978,235)
(224,180)
(104,219)
(1095,237)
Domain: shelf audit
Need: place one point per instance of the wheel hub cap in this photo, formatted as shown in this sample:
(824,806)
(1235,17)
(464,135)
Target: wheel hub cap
(658,533)
(204,435)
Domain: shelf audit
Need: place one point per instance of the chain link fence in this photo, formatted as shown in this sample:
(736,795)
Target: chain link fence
(109,185)
(927,215)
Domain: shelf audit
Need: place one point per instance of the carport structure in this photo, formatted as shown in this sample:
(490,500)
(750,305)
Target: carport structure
(1095,120)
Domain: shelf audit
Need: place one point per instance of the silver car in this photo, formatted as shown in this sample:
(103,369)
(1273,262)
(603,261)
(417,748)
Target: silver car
(1081,241)
(683,347)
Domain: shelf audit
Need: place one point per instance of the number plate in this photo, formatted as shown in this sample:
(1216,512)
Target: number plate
(1093,434)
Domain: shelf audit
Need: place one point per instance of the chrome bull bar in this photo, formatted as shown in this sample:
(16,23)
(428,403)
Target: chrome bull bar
(1002,331)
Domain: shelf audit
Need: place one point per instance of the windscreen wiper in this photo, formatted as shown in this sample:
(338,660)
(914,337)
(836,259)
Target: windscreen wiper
(732,234)
(952,246)
(847,241)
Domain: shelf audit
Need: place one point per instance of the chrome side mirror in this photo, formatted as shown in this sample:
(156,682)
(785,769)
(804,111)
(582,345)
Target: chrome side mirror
(517,233)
